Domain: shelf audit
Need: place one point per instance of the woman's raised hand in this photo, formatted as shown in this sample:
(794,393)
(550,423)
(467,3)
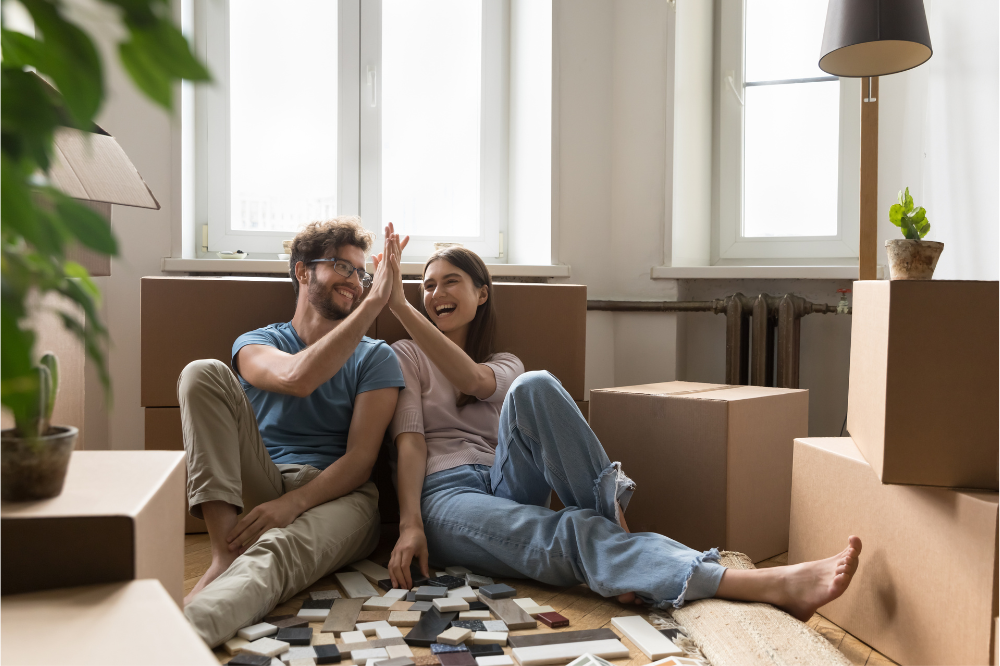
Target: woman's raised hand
(394,247)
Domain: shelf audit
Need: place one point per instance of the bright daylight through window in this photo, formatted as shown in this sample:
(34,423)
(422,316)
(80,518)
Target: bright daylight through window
(791,123)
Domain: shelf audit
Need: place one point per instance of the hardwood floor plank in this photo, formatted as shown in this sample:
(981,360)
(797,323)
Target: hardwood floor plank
(876,658)
(854,650)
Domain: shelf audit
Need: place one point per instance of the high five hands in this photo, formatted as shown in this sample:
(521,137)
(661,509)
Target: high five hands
(387,284)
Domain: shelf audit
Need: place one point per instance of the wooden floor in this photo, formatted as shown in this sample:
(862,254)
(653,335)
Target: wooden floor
(585,609)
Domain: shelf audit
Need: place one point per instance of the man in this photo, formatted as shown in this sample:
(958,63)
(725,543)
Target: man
(289,441)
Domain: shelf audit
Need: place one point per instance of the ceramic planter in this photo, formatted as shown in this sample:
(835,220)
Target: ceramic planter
(912,259)
(34,469)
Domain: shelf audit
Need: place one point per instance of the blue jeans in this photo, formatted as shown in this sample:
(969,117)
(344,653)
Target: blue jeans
(496,521)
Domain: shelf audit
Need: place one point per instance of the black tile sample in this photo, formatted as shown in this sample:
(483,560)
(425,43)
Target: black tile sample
(442,648)
(295,635)
(426,631)
(471,625)
(327,654)
(325,604)
(488,650)
(448,582)
(250,660)
(478,605)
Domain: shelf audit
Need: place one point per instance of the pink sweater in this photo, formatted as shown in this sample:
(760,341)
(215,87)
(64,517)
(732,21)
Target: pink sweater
(455,435)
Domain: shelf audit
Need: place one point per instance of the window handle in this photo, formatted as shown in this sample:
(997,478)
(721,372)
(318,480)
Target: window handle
(732,85)
(371,85)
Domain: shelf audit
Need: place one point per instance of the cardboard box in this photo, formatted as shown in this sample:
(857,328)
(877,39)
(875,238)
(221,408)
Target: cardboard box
(118,518)
(121,624)
(926,588)
(712,464)
(923,397)
(163,433)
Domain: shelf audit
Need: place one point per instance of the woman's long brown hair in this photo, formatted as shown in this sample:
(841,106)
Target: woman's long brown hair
(480,342)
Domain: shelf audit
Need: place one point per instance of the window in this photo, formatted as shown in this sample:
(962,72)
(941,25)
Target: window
(789,138)
(392,109)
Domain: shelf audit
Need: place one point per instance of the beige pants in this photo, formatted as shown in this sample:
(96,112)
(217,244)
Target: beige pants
(227,461)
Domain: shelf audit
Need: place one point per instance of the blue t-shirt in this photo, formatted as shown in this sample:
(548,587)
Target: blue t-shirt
(313,430)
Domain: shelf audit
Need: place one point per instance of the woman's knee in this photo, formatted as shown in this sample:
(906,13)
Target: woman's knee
(535,383)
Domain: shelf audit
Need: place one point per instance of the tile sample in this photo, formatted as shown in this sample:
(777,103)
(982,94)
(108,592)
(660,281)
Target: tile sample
(426,660)
(431,592)
(485,637)
(446,581)
(399,651)
(645,637)
(553,620)
(431,624)
(373,616)
(327,654)
(364,655)
(474,615)
(525,602)
(457,659)
(353,637)
(234,644)
(403,618)
(535,611)
(589,660)
(560,653)
(459,572)
(370,570)
(552,638)
(471,625)
(401,605)
(318,603)
(324,594)
(347,649)
(512,614)
(250,660)
(301,662)
(497,591)
(397,661)
(298,653)
(378,603)
(355,585)
(676,661)
(485,650)
(388,632)
(255,631)
(440,573)
(290,621)
(295,635)
(395,593)
(454,636)
(387,642)
(464,592)
(412,595)
(369,627)
(499,660)
(323,639)
(451,604)
(421,606)
(267,647)
(478,605)
(372,662)
(441,648)
(385,584)
(475,580)
(313,614)
(343,616)
(495,625)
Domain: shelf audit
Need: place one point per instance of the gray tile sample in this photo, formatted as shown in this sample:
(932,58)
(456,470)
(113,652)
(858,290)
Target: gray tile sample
(508,611)
(432,623)
(422,606)
(457,659)
(431,592)
(496,625)
(475,580)
(441,648)
(558,637)
(292,621)
(324,594)
(497,591)
(411,596)
(343,616)
(250,660)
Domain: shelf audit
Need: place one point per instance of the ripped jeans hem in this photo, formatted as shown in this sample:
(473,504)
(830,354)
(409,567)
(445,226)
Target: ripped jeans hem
(624,487)
(702,579)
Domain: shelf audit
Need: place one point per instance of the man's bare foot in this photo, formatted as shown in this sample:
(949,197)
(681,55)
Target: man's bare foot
(220,562)
(810,585)
(628,597)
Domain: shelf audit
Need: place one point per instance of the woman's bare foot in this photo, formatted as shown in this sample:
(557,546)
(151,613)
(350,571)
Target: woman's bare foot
(810,585)
(628,597)
(220,562)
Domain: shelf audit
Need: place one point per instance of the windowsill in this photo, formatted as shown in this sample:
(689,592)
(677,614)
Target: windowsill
(280,267)
(757,272)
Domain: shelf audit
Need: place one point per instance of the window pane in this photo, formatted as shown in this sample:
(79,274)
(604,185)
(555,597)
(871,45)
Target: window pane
(791,139)
(783,39)
(431,91)
(283,113)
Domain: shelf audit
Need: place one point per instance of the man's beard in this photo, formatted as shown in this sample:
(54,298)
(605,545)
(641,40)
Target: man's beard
(324,303)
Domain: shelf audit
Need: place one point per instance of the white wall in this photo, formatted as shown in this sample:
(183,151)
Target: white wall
(612,113)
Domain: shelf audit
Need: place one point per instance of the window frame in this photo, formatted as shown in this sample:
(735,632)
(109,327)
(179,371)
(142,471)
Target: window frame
(359,130)
(730,246)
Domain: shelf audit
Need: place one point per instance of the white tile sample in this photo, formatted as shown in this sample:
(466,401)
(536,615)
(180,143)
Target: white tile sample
(368,628)
(589,660)
(298,652)
(438,574)
(535,611)
(301,662)
(399,651)
(267,647)
(525,602)
(450,604)
(355,585)
(255,631)
(464,592)
(370,570)
(396,593)
(353,637)
(560,653)
(497,660)
(404,618)
(372,662)
(234,644)
(314,614)
(644,636)
(378,603)
(388,632)
(454,636)
(676,661)
(364,655)
(474,615)
(487,637)
(495,625)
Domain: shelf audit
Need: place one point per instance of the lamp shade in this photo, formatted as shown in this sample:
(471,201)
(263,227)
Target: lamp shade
(874,37)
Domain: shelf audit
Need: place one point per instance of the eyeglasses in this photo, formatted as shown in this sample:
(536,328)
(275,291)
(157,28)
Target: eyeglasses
(347,269)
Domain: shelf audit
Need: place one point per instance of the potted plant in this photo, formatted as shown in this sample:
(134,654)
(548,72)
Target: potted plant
(34,455)
(911,258)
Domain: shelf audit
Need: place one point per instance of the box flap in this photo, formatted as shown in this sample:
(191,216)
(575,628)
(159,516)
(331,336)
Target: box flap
(731,393)
(841,446)
(667,388)
(93,167)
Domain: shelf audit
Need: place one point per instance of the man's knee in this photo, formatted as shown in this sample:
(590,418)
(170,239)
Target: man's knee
(200,375)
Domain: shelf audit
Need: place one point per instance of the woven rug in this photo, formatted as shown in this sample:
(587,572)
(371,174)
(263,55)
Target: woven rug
(729,633)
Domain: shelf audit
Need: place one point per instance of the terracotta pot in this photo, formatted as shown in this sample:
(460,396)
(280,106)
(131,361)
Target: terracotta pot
(34,469)
(912,259)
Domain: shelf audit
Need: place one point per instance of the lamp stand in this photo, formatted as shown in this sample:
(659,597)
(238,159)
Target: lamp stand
(868,250)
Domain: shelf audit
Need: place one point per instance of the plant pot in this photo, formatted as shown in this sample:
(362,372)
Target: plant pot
(912,259)
(34,469)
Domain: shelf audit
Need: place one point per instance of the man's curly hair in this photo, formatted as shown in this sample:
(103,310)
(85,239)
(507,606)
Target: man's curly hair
(318,239)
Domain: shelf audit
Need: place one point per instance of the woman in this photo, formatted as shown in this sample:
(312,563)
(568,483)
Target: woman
(481,444)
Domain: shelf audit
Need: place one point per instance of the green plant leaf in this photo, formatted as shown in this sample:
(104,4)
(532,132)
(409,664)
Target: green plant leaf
(907,202)
(924,228)
(146,74)
(918,214)
(19,49)
(895,214)
(86,225)
(50,362)
(77,271)
(166,46)
(28,118)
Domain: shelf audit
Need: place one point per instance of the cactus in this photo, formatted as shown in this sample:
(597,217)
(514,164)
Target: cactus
(39,418)
(912,222)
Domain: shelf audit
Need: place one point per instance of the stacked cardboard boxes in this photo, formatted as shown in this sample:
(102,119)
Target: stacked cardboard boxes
(917,478)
